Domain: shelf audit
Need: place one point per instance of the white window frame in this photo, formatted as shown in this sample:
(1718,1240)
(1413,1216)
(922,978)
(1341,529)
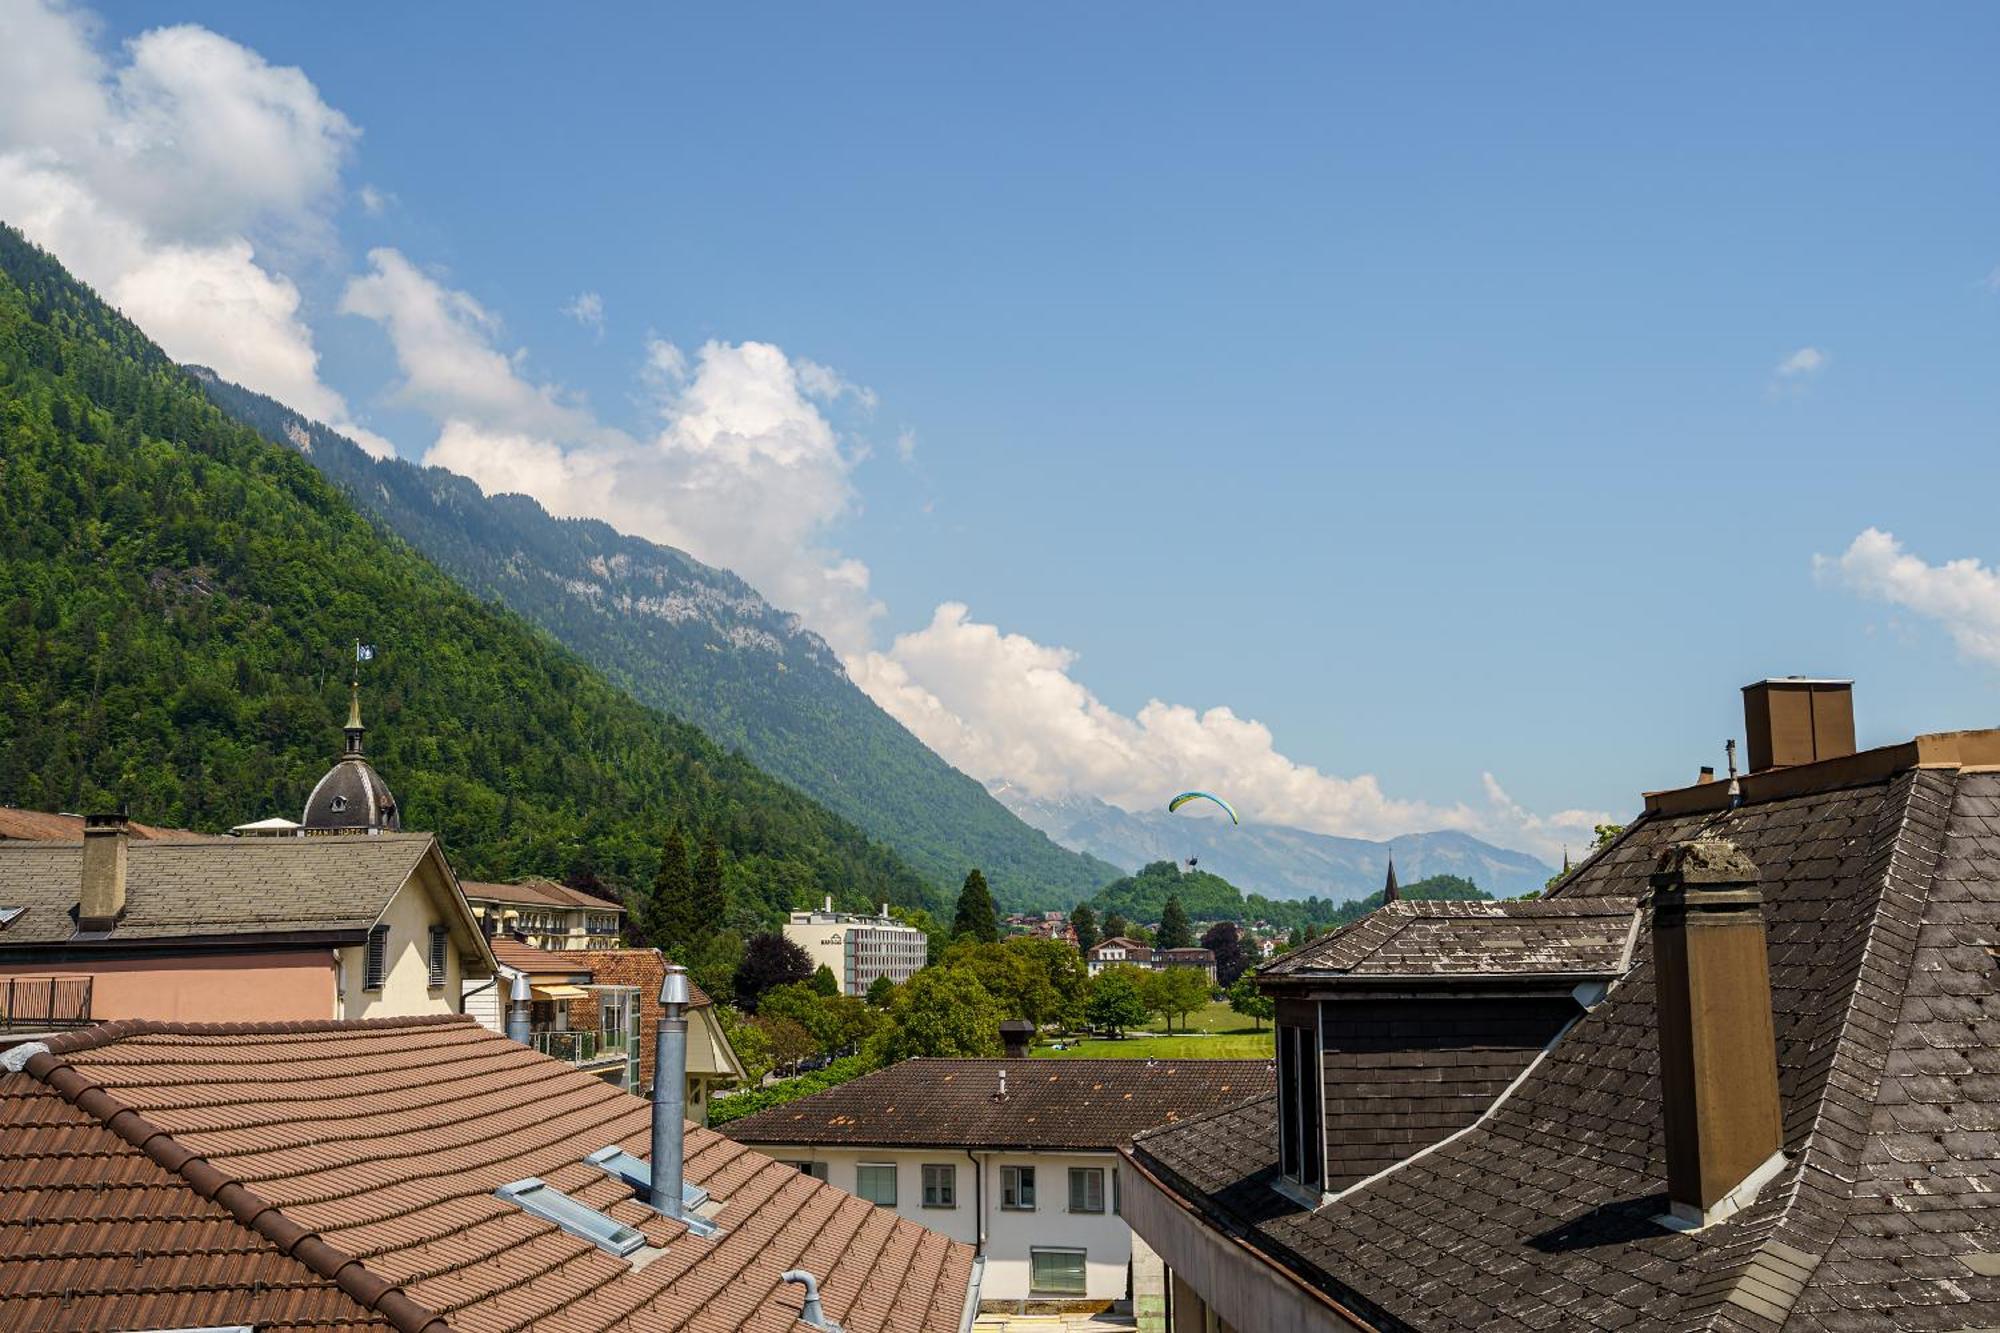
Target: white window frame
(1085,1175)
(1019,1183)
(940,1182)
(1082,1269)
(859,1175)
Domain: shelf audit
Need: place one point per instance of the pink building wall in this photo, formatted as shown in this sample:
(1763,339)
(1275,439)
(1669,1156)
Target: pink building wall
(204,988)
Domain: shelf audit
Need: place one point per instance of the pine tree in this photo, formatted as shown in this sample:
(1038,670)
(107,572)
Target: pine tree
(1114,926)
(668,914)
(976,918)
(1084,922)
(1174,933)
(711,904)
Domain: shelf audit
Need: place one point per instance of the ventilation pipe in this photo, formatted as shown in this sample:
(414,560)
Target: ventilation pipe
(519,999)
(106,839)
(670,1092)
(813,1314)
(1718,1054)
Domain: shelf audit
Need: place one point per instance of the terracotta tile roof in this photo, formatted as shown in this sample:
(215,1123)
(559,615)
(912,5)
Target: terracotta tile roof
(537,893)
(37,826)
(1569,936)
(1049,1103)
(372,1150)
(1882,900)
(219,886)
(527,958)
(96,1235)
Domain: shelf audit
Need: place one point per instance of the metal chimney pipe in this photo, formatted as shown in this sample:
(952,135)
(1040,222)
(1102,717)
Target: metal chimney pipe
(813,1314)
(670,1058)
(519,998)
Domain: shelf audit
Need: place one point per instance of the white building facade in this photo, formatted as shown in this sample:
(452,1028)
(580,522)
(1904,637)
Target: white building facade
(858,949)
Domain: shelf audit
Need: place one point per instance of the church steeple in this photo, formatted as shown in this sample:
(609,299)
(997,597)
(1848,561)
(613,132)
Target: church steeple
(1389,891)
(352,798)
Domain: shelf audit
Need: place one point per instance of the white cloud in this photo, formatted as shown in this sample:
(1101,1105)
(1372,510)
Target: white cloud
(829,385)
(742,469)
(374,202)
(1961,595)
(1804,363)
(588,310)
(1000,705)
(163,180)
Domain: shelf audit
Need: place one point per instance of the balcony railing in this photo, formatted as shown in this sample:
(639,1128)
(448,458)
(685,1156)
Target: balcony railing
(38,1003)
(580,1046)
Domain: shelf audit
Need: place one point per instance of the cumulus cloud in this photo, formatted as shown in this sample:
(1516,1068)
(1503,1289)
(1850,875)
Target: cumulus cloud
(1961,595)
(1002,706)
(163,180)
(1802,364)
(741,467)
(588,310)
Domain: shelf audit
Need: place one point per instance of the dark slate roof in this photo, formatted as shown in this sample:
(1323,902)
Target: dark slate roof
(352,796)
(1563,937)
(1883,904)
(1049,1103)
(226,886)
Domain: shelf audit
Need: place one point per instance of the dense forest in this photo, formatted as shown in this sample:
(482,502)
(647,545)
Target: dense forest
(1208,897)
(699,643)
(181,599)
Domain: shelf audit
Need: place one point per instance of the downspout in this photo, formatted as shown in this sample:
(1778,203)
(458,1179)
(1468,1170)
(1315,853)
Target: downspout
(978,1207)
(339,985)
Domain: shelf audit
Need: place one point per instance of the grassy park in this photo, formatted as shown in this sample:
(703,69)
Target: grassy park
(1214,1032)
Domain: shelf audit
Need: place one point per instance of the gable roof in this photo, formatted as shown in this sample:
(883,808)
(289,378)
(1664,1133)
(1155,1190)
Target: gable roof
(1125,942)
(216,887)
(512,953)
(537,893)
(1561,937)
(1077,1104)
(1882,915)
(370,1152)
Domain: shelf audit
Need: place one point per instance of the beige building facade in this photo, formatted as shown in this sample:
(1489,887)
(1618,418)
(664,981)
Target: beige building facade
(858,950)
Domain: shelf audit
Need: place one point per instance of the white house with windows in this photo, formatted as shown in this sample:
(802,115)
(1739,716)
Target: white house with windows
(1016,1157)
(546,915)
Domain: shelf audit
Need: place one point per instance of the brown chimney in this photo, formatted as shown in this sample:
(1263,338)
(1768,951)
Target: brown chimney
(1795,720)
(105,839)
(1718,1055)
(1707,774)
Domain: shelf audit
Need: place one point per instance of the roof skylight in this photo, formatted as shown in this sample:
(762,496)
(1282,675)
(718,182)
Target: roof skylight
(540,1199)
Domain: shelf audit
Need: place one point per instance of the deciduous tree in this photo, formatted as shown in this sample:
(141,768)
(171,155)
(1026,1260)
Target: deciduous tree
(769,960)
(1225,941)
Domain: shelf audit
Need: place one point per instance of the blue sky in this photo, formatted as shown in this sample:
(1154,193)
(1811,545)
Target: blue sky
(1408,381)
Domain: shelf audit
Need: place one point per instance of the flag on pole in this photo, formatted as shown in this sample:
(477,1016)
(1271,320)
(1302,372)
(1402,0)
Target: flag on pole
(364,652)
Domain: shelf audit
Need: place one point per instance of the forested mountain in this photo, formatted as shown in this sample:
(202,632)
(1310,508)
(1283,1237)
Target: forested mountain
(1271,859)
(702,644)
(1209,897)
(181,599)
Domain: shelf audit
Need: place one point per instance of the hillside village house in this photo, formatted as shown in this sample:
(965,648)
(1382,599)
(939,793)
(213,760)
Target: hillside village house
(858,949)
(1017,1157)
(546,915)
(1119,950)
(1734,1072)
(418,1174)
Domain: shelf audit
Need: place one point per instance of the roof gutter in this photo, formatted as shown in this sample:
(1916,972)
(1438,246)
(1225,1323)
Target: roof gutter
(972,1284)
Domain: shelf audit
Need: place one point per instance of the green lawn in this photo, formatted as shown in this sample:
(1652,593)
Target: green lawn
(1230,1046)
(1217,1017)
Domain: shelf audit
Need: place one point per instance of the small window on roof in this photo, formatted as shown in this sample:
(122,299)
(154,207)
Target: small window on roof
(339,804)
(9,915)
(539,1199)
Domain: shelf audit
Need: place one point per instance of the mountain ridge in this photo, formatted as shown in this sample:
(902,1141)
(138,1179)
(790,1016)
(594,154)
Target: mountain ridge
(699,643)
(1275,861)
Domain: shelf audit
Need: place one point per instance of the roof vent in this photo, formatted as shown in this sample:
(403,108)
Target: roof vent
(813,1315)
(638,1173)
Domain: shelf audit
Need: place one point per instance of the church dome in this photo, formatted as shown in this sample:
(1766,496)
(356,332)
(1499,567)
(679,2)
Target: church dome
(352,798)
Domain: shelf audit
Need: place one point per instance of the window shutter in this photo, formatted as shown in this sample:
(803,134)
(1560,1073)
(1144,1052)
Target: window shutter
(376,964)
(438,934)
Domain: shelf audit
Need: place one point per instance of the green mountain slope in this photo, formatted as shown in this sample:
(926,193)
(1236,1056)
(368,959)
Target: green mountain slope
(180,600)
(1209,897)
(700,643)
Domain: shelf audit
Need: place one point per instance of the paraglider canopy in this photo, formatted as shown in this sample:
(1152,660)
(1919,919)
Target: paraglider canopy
(1187,796)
